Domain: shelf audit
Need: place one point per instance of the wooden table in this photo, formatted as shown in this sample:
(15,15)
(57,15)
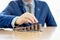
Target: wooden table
(14,35)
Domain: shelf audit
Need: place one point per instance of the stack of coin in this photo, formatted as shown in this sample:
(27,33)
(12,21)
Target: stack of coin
(40,28)
(34,27)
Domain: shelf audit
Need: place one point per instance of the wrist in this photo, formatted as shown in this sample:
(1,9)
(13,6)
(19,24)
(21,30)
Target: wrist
(18,21)
(13,21)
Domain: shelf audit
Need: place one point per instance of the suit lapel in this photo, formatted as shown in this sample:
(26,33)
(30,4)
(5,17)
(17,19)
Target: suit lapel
(23,10)
(21,5)
(37,10)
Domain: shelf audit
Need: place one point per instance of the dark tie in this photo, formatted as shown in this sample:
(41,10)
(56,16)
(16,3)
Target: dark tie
(29,7)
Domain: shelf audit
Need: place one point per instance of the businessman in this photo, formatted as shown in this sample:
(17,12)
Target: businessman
(18,13)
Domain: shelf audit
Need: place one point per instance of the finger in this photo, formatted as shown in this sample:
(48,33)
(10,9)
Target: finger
(35,20)
(30,19)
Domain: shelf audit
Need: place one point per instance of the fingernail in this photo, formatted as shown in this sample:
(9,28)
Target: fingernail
(37,21)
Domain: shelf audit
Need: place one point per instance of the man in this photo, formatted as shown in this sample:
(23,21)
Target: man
(17,13)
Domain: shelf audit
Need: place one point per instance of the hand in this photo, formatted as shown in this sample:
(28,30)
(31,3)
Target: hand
(26,18)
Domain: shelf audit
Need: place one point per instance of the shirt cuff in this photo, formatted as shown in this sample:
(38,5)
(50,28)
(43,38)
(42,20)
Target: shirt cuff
(13,21)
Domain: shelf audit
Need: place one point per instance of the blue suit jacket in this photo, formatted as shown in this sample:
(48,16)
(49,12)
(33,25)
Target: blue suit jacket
(15,8)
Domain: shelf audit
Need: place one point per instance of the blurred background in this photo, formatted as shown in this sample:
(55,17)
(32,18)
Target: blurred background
(54,6)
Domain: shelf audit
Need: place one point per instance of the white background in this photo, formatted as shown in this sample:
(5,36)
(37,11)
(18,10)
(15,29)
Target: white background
(53,4)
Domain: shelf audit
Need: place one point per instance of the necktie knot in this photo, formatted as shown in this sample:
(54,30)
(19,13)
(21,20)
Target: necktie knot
(29,5)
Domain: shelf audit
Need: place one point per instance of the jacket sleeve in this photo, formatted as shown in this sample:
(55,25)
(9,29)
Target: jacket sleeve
(6,17)
(50,21)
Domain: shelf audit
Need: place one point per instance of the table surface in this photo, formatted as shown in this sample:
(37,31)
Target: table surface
(14,35)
